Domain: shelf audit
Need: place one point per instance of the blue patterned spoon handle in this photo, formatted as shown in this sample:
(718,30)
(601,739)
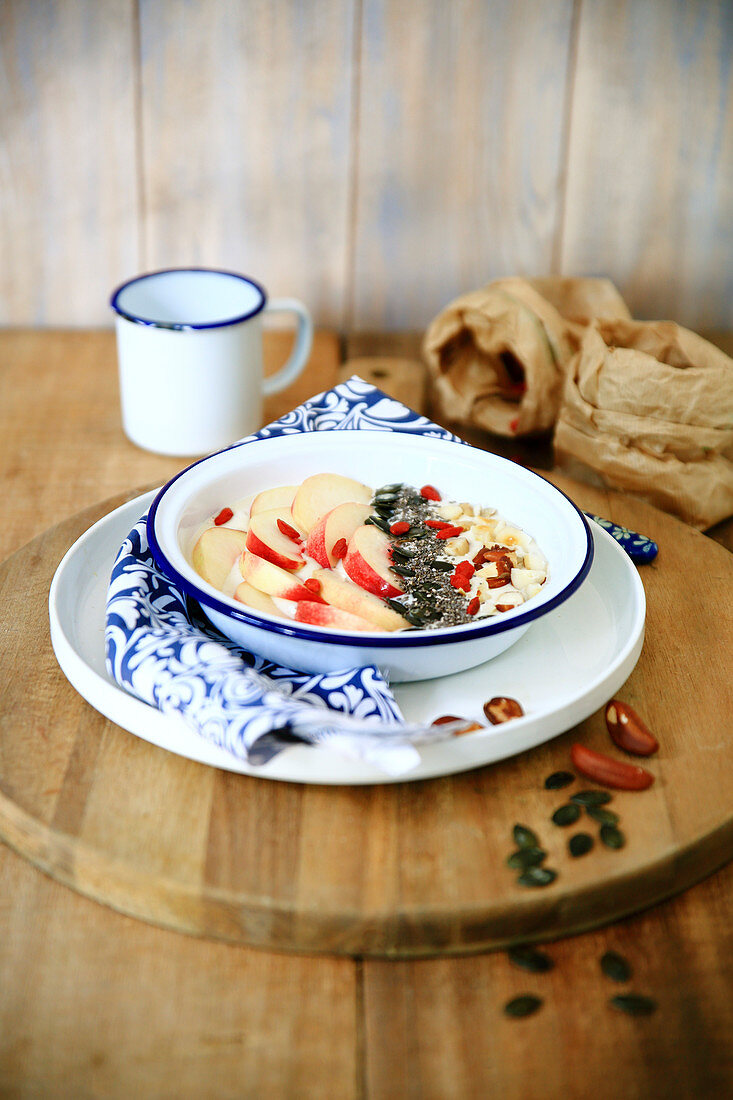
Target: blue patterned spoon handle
(639,548)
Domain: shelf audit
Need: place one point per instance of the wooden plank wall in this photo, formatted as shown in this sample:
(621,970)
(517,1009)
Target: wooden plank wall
(373,157)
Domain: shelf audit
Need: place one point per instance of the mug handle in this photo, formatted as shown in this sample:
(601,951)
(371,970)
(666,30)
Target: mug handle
(303,343)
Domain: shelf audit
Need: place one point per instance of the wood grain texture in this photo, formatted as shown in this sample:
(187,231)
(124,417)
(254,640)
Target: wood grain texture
(404,870)
(61,439)
(95,1004)
(460,144)
(374,158)
(650,157)
(246,113)
(68,178)
(436,1028)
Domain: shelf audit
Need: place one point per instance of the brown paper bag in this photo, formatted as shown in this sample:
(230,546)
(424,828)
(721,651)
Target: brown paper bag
(648,408)
(497,356)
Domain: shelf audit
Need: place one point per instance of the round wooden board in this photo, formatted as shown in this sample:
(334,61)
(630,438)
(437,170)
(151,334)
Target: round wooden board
(395,870)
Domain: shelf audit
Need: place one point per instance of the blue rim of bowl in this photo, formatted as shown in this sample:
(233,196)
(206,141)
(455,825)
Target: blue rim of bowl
(179,326)
(378,640)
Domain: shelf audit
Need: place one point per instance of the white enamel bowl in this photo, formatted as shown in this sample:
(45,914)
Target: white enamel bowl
(376,458)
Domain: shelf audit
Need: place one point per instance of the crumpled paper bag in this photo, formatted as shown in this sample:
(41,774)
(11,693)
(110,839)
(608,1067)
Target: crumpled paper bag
(497,357)
(648,408)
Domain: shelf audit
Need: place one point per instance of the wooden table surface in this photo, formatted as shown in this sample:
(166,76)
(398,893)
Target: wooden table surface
(95,1004)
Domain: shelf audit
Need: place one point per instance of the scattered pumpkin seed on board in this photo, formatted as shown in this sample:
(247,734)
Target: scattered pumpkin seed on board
(558,780)
(524,837)
(537,876)
(567,814)
(522,1006)
(615,967)
(528,958)
(580,844)
(612,837)
(634,1004)
(590,798)
(526,857)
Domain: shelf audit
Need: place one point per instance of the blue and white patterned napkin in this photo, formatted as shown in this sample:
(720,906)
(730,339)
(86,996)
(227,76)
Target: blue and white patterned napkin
(160,647)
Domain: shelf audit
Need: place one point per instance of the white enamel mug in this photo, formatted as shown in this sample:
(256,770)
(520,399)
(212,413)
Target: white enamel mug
(189,349)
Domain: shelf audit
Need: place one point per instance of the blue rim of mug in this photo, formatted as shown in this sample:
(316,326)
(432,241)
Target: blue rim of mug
(183,325)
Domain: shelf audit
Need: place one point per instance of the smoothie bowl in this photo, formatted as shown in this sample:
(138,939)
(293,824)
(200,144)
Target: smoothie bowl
(328,550)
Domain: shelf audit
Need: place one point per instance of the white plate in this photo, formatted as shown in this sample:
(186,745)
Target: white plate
(562,670)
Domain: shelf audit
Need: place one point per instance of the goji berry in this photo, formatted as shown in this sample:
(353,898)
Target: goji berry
(449,532)
(473,606)
(339,548)
(429,492)
(224,516)
(399,528)
(286,529)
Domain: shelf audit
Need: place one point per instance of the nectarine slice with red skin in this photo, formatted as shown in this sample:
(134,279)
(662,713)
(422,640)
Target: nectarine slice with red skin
(281,496)
(323,614)
(265,539)
(272,580)
(367,562)
(320,493)
(340,523)
(348,596)
(216,552)
(255,599)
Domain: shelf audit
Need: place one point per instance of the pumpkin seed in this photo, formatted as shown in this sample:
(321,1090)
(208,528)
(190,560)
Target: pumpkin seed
(537,876)
(567,814)
(591,798)
(377,521)
(525,857)
(402,570)
(612,837)
(615,967)
(524,837)
(415,533)
(390,489)
(402,552)
(557,780)
(527,958)
(522,1006)
(383,511)
(634,1004)
(604,817)
(580,844)
(413,618)
(397,606)
(442,566)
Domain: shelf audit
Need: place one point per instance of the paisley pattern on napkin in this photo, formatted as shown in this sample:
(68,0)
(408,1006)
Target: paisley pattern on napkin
(640,549)
(160,648)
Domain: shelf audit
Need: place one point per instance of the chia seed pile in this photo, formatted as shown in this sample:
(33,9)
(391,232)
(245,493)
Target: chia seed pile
(419,559)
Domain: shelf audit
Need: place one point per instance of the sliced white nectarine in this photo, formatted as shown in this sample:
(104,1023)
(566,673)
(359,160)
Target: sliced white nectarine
(320,493)
(339,523)
(273,580)
(367,562)
(255,599)
(322,614)
(216,552)
(266,538)
(357,601)
(279,497)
